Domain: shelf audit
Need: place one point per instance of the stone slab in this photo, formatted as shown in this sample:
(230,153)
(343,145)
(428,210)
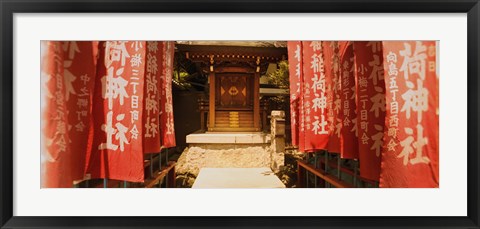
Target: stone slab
(237,178)
(229,138)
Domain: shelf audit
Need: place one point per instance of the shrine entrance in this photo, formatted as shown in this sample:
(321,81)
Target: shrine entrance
(236,145)
(234,103)
(233,73)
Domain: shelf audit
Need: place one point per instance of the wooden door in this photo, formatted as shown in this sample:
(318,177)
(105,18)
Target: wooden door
(234,92)
(234,102)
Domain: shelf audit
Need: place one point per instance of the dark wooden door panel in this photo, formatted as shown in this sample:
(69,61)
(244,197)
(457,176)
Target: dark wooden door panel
(234,91)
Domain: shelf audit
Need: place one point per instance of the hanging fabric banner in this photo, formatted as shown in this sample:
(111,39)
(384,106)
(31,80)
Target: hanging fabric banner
(117,150)
(79,74)
(371,106)
(349,133)
(151,114)
(56,155)
(295,72)
(166,104)
(301,100)
(314,97)
(410,158)
(301,116)
(334,102)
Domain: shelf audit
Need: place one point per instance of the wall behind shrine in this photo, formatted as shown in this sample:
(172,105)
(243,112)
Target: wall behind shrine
(187,115)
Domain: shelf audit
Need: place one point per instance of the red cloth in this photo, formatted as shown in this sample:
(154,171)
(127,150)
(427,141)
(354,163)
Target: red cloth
(167,127)
(349,140)
(151,114)
(56,154)
(79,75)
(370,106)
(301,111)
(117,151)
(68,70)
(295,72)
(315,90)
(410,157)
(334,101)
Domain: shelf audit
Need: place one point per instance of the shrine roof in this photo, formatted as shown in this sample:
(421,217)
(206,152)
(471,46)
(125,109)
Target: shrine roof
(205,52)
(275,44)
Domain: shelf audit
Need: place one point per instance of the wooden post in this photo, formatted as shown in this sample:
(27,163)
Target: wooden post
(355,173)
(307,158)
(300,176)
(211,102)
(171,176)
(315,166)
(151,165)
(202,120)
(256,101)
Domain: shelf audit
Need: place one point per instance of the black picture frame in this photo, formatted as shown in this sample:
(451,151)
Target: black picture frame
(9,7)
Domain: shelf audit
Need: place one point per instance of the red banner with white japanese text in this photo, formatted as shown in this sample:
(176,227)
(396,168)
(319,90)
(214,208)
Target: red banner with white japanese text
(151,114)
(166,103)
(334,102)
(295,72)
(370,106)
(55,156)
(410,158)
(79,75)
(300,105)
(117,150)
(349,133)
(315,93)
(67,68)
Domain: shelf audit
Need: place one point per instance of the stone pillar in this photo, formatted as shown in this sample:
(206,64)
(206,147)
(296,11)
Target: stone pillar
(277,122)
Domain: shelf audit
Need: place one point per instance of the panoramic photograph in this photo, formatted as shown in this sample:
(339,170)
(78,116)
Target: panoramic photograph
(239,114)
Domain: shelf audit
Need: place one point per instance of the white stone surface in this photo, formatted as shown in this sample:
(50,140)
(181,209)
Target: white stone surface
(237,178)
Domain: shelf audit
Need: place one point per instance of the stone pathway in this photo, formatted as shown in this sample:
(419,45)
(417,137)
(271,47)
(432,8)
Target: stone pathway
(237,178)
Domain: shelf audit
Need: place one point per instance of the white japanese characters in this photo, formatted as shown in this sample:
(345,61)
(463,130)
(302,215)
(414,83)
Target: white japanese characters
(120,84)
(152,92)
(415,101)
(319,89)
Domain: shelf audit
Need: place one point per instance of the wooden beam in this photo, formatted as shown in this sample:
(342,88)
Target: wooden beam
(224,52)
(322,175)
(211,102)
(256,101)
(160,174)
(333,165)
(234,69)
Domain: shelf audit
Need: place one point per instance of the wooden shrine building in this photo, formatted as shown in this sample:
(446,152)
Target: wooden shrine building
(233,103)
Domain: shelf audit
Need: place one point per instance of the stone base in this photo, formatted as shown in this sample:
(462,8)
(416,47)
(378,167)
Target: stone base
(198,156)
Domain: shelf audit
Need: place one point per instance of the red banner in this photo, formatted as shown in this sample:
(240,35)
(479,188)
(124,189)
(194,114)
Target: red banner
(314,97)
(79,74)
(166,109)
(334,101)
(56,157)
(410,158)
(151,114)
(295,72)
(370,106)
(349,133)
(117,151)
(301,111)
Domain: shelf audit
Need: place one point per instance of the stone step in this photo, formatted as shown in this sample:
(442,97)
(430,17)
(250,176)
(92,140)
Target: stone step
(237,178)
(231,120)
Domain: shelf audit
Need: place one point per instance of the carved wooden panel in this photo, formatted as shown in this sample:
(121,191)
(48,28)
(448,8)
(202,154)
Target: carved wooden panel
(234,91)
